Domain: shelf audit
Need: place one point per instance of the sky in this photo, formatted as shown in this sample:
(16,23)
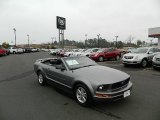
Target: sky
(108,18)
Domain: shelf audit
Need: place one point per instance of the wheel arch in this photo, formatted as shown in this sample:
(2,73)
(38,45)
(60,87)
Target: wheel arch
(145,58)
(89,87)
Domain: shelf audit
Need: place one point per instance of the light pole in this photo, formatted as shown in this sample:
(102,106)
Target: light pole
(28,39)
(151,41)
(15,35)
(98,39)
(85,43)
(116,40)
(52,41)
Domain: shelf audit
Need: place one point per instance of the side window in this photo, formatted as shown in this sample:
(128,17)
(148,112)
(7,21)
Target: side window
(95,50)
(157,50)
(60,65)
(151,50)
(46,62)
(59,62)
(51,62)
(106,50)
(110,50)
(154,50)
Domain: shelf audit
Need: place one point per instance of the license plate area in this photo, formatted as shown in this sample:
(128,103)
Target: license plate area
(126,93)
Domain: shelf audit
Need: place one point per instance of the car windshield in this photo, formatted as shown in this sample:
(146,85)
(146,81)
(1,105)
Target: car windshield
(133,50)
(78,62)
(140,50)
(89,50)
(101,50)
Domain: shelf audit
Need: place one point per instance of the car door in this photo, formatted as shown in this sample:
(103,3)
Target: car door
(109,53)
(63,77)
(151,54)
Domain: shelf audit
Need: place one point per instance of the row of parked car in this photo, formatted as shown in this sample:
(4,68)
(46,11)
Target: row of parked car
(16,50)
(143,55)
(97,54)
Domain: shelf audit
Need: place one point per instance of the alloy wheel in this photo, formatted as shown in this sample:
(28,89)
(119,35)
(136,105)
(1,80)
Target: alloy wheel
(81,95)
(144,63)
(117,57)
(101,59)
(40,79)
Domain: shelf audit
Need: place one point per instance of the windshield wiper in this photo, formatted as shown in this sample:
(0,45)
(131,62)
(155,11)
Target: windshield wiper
(81,67)
(88,65)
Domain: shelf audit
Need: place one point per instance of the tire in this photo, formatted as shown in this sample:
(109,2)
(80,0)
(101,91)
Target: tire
(117,57)
(144,63)
(14,52)
(101,59)
(41,79)
(83,95)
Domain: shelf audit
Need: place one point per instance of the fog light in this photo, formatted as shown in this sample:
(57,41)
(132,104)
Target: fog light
(102,95)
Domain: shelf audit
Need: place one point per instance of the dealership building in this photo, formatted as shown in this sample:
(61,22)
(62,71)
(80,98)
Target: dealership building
(155,33)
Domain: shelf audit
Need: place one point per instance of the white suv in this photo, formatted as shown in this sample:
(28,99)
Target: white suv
(15,50)
(141,56)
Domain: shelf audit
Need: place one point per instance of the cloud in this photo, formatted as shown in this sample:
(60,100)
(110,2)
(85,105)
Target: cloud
(107,17)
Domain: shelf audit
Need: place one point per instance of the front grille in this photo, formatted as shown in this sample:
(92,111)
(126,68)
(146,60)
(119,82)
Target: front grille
(120,84)
(116,86)
(128,57)
(157,59)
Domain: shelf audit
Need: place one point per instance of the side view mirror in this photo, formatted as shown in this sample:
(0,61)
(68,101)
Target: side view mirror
(150,52)
(61,67)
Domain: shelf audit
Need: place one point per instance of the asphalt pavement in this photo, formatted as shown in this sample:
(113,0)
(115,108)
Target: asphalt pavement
(22,98)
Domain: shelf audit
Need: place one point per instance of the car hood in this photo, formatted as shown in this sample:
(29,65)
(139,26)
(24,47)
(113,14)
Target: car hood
(157,56)
(100,75)
(136,54)
(68,52)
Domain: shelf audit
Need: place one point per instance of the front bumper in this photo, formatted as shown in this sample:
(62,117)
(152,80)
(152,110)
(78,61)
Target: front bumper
(156,64)
(93,58)
(131,61)
(113,96)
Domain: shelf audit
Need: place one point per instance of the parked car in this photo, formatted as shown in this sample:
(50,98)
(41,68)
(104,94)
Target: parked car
(2,52)
(53,52)
(131,50)
(83,78)
(71,52)
(62,53)
(15,50)
(88,52)
(34,49)
(156,61)
(141,56)
(27,50)
(106,53)
(7,51)
(79,52)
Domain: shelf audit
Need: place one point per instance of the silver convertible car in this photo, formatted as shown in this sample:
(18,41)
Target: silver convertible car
(83,78)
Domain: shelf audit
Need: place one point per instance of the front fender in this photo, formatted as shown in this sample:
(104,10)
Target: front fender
(87,83)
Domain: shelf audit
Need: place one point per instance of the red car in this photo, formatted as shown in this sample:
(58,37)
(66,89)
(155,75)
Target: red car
(2,52)
(106,53)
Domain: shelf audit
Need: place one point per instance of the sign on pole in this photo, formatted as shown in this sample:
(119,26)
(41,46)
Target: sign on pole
(61,23)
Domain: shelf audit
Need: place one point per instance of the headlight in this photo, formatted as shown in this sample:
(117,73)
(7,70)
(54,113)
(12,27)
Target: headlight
(96,54)
(136,58)
(102,88)
(154,58)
